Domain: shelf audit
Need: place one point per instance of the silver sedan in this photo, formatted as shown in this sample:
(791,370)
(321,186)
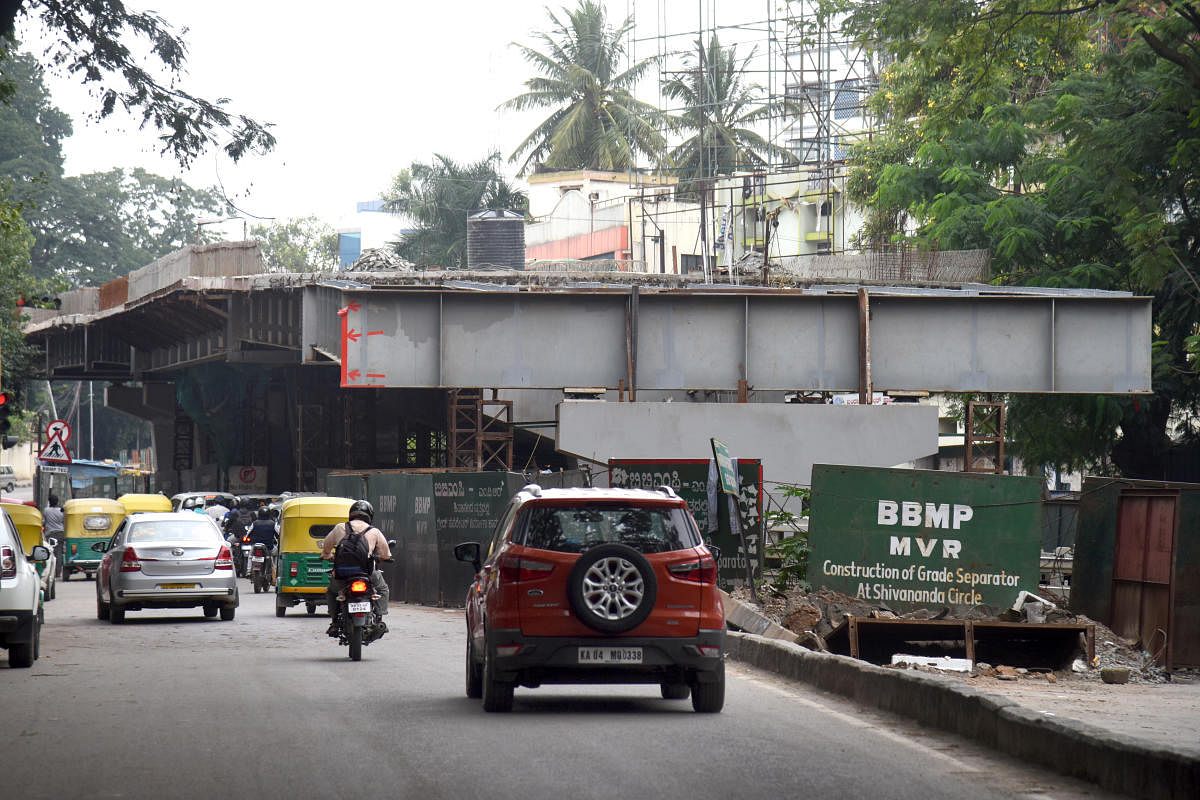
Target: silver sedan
(167,560)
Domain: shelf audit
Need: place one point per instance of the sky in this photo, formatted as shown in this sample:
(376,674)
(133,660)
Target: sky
(357,91)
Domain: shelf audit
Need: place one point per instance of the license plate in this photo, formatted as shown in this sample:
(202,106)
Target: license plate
(610,655)
(177,586)
(359,608)
(257,559)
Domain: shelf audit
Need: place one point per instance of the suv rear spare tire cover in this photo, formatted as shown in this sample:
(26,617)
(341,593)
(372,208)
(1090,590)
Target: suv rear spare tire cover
(612,588)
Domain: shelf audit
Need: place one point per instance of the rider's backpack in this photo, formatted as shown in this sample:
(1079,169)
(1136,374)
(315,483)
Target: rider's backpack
(353,555)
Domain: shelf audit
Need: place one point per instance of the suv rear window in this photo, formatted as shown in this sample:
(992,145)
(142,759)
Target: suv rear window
(574,529)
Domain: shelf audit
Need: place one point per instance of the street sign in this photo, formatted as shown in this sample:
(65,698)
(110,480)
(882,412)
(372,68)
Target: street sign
(59,429)
(729,481)
(55,451)
(48,469)
(922,538)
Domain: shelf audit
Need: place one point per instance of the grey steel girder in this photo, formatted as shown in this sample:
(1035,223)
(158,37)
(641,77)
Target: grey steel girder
(927,340)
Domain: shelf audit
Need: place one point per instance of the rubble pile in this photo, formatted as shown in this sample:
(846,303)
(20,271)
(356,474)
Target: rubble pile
(812,615)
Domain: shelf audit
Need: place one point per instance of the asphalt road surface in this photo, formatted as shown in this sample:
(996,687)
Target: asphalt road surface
(171,705)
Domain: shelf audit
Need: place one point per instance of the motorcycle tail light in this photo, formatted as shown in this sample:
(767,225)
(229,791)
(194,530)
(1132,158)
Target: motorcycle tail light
(293,569)
(8,562)
(224,558)
(358,586)
(130,561)
(246,539)
(700,570)
(515,570)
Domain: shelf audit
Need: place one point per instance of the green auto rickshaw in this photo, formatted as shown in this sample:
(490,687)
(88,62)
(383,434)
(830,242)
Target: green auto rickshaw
(301,575)
(87,520)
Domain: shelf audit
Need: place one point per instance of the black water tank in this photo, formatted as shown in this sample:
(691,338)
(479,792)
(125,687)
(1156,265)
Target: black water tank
(495,239)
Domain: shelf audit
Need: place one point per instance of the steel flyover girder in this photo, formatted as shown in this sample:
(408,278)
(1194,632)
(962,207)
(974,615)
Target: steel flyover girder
(926,340)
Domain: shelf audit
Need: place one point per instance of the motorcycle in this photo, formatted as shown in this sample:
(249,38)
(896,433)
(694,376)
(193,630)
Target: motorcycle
(355,618)
(262,573)
(246,549)
(357,623)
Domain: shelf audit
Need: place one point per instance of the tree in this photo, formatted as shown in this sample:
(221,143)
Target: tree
(719,106)
(95,227)
(298,245)
(596,122)
(1063,139)
(110,47)
(438,197)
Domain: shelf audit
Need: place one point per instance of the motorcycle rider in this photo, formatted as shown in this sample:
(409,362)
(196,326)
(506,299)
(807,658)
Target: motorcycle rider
(362,512)
(264,532)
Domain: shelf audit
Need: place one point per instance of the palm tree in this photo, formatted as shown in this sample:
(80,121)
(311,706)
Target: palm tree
(596,122)
(719,107)
(438,197)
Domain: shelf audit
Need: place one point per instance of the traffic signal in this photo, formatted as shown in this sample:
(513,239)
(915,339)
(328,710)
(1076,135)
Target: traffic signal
(8,407)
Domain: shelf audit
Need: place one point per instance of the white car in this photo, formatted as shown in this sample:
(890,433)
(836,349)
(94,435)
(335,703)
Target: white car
(8,478)
(21,613)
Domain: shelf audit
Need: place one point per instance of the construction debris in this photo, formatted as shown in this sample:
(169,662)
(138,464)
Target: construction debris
(811,616)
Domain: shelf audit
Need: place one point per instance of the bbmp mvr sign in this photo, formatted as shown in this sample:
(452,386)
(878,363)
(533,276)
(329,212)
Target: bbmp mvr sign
(912,539)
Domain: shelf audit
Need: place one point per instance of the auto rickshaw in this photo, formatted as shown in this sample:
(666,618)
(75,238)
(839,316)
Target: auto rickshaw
(87,520)
(135,503)
(301,575)
(29,527)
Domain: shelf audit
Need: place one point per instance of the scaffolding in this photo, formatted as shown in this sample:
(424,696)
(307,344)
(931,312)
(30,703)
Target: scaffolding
(815,82)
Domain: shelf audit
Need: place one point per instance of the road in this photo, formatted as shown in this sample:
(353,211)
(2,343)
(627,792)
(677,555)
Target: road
(173,705)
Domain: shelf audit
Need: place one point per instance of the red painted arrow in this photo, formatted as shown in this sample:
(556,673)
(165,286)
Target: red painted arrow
(374,333)
(353,374)
(353,306)
(353,335)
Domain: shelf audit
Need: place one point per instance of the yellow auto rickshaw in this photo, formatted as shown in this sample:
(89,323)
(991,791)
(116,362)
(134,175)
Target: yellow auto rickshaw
(135,503)
(29,527)
(87,520)
(301,575)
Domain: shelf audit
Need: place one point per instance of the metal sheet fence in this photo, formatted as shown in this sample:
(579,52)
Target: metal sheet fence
(428,513)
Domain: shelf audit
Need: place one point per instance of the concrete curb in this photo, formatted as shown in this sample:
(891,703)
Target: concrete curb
(1130,766)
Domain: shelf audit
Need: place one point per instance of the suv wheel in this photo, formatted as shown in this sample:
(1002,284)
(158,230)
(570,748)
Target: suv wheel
(22,655)
(497,695)
(474,672)
(101,608)
(116,614)
(612,588)
(709,698)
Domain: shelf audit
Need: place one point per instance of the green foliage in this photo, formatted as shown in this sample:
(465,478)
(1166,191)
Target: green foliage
(1063,139)
(121,54)
(595,122)
(305,244)
(95,227)
(15,282)
(792,547)
(719,108)
(438,197)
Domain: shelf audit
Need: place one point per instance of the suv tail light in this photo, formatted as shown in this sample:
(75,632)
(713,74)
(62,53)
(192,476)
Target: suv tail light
(8,562)
(224,558)
(700,570)
(515,570)
(130,561)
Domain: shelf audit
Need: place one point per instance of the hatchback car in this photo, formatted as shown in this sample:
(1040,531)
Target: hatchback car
(165,560)
(21,613)
(594,586)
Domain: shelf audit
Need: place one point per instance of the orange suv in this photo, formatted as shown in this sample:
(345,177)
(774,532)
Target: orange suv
(594,586)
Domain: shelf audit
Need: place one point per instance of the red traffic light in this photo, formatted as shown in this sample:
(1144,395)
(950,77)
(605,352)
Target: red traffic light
(6,398)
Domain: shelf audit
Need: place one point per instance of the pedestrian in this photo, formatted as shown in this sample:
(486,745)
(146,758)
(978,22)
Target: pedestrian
(52,524)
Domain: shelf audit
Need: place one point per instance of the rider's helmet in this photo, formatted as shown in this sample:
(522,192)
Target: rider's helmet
(264,513)
(361,509)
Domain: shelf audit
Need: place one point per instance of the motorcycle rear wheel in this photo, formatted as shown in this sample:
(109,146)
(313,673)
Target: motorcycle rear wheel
(356,636)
